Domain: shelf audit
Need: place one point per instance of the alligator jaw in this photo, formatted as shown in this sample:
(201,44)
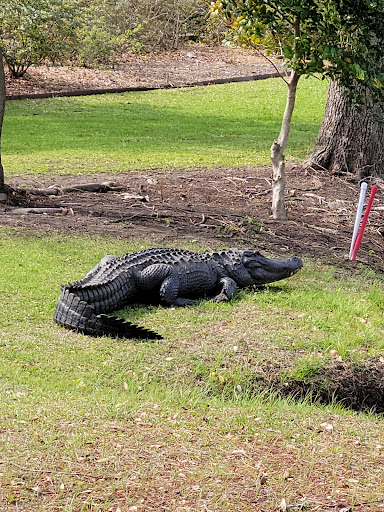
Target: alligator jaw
(264,270)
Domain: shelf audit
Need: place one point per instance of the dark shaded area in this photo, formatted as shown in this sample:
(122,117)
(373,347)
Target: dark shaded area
(357,386)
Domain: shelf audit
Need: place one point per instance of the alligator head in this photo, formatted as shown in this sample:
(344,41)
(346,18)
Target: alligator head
(264,270)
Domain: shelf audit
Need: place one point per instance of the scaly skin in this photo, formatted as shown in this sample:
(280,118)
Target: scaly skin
(170,276)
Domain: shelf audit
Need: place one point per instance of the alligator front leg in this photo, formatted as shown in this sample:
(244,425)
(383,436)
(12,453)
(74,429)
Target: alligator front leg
(228,290)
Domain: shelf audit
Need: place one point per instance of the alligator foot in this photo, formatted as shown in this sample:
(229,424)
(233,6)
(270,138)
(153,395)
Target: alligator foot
(220,298)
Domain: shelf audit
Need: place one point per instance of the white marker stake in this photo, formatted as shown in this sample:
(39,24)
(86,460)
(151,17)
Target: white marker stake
(363,190)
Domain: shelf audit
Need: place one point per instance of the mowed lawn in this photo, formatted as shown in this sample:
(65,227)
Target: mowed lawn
(97,424)
(221,125)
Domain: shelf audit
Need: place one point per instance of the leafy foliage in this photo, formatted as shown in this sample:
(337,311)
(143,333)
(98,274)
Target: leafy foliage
(340,40)
(97,32)
(34,30)
(102,38)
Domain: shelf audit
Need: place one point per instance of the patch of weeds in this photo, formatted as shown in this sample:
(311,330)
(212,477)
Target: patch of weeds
(253,222)
(252,226)
(305,368)
(228,229)
(248,227)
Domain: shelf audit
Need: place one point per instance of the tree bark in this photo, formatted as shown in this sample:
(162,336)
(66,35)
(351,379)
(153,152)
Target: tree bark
(350,140)
(277,152)
(2,107)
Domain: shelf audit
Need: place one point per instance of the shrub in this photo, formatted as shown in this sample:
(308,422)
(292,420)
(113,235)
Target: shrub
(114,28)
(34,30)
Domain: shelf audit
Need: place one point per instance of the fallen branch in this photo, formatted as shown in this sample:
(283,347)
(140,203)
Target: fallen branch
(45,470)
(44,211)
(55,190)
(126,196)
(319,228)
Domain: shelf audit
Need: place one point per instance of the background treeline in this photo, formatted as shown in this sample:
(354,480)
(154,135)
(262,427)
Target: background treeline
(101,32)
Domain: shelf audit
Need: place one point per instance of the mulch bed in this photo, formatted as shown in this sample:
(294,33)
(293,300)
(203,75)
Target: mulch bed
(190,65)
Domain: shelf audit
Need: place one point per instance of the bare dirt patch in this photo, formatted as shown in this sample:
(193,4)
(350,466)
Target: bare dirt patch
(221,207)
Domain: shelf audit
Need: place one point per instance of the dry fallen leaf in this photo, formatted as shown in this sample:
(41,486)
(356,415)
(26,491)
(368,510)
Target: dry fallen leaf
(327,426)
(239,452)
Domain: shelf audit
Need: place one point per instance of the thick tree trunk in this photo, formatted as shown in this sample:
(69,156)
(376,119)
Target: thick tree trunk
(2,107)
(277,152)
(350,140)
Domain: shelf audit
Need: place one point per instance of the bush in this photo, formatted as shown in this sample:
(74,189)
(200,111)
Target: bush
(34,30)
(100,43)
(98,33)
(114,28)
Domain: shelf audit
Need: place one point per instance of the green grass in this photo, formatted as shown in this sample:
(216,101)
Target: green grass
(223,125)
(98,424)
(186,424)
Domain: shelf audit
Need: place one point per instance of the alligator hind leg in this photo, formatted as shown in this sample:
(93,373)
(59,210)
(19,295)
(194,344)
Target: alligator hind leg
(228,290)
(162,275)
(104,261)
(169,290)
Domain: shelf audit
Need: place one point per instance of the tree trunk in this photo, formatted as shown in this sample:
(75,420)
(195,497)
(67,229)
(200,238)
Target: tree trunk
(2,107)
(350,140)
(277,152)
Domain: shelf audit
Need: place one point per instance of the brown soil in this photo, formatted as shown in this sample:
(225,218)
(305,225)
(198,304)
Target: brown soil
(222,207)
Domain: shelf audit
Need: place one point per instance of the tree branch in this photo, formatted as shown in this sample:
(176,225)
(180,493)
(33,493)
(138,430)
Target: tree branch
(273,64)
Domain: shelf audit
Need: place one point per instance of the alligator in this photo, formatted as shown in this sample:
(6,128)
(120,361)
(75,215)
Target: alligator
(173,277)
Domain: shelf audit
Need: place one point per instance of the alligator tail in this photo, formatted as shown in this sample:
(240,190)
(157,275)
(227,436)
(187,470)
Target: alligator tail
(76,314)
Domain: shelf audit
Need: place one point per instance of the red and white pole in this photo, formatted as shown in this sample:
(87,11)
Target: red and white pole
(363,190)
(364,223)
